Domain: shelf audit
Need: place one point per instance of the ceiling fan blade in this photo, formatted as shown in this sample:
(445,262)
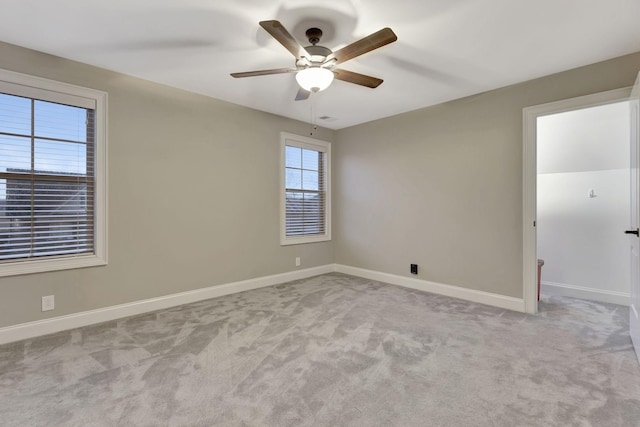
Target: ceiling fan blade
(357,78)
(302,94)
(362,46)
(264,72)
(278,32)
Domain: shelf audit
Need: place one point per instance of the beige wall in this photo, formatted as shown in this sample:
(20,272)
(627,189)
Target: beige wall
(193,186)
(193,196)
(442,186)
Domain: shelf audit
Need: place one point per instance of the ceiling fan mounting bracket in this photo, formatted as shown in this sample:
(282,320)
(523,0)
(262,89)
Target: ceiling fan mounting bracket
(313,34)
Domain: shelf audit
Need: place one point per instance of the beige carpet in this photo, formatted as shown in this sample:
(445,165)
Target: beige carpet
(332,350)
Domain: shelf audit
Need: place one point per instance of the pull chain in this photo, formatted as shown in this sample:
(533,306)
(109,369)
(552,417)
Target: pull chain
(313,116)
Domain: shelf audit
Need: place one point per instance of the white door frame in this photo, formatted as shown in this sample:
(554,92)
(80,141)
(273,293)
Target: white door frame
(529,178)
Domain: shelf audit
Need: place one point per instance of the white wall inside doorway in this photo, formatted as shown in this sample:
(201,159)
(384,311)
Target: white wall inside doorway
(580,236)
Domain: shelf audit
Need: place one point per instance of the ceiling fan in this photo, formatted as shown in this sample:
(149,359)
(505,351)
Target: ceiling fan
(315,66)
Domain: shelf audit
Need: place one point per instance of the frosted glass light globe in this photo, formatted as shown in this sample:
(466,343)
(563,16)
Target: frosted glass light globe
(314,79)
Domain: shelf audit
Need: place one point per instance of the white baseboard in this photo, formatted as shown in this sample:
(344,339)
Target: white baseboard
(562,289)
(509,303)
(76,320)
(56,324)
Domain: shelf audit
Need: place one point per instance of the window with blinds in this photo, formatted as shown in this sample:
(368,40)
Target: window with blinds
(305,189)
(48,205)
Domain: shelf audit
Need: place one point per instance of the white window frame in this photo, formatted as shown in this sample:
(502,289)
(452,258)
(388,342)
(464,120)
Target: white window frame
(49,90)
(314,144)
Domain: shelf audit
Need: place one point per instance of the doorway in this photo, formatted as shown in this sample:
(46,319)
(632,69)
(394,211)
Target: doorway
(533,117)
(583,202)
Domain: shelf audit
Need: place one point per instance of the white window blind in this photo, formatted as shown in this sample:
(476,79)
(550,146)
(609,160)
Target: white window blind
(47,177)
(53,157)
(306,183)
(305,192)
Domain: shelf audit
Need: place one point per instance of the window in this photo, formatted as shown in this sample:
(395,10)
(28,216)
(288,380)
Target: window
(306,185)
(52,175)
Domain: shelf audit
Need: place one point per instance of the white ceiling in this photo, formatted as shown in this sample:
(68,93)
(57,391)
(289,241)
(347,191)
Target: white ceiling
(446,49)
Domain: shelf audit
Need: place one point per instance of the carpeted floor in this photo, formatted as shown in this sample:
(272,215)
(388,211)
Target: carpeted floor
(333,350)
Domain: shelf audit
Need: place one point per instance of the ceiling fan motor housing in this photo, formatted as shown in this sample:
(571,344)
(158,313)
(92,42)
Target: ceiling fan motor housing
(318,54)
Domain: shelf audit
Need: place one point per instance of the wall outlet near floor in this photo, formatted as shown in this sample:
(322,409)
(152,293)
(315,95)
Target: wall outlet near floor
(48,303)
(414,269)
(297,261)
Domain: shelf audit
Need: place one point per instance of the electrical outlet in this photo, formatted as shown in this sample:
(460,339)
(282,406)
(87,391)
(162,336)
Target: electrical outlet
(414,269)
(297,261)
(48,303)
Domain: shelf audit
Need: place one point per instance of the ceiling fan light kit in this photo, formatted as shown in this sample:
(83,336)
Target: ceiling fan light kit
(314,79)
(316,65)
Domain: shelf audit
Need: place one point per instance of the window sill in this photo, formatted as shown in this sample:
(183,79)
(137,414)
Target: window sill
(285,241)
(44,265)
